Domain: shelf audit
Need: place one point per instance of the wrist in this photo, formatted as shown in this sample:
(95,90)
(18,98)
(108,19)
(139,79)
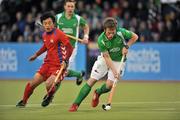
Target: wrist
(126,46)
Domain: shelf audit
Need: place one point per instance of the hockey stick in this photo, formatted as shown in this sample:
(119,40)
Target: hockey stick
(108,106)
(39,24)
(57,77)
(74,38)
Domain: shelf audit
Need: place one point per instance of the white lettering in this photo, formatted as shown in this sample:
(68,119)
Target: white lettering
(8,60)
(67,30)
(145,60)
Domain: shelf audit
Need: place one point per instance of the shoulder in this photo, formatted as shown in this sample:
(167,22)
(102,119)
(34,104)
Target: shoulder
(119,29)
(43,34)
(123,31)
(100,38)
(78,17)
(59,15)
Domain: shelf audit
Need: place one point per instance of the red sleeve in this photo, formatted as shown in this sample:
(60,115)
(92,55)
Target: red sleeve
(41,50)
(65,41)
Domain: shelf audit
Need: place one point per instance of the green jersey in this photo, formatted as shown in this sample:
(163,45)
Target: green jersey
(70,26)
(115,45)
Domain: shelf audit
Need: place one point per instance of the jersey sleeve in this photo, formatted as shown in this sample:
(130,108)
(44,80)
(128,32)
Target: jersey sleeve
(82,22)
(126,33)
(43,48)
(101,45)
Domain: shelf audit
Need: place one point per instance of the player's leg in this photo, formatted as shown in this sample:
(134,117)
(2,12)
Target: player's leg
(51,89)
(38,79)
(106,87)
(50,94)
(73,73)
(98,71)
(79,75)
(82,94)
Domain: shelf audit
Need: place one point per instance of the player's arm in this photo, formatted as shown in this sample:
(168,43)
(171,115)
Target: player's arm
(65,41)
(110,63)
(85,27)
(86,34)
(132,38)
(38,53)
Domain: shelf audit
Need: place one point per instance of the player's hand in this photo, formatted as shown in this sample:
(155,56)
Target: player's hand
(65,63)
(85,39)
(32,58)
(115,73)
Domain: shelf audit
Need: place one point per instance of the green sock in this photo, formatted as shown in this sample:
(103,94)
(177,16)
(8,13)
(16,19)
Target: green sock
(82,94)
(103,89)
(72,73)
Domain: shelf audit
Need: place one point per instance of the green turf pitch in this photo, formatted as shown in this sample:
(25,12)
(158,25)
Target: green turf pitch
(132,101)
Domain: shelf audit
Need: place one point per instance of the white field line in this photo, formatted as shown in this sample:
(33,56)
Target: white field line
(114,103)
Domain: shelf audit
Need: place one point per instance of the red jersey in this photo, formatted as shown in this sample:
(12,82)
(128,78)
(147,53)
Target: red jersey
(57,45)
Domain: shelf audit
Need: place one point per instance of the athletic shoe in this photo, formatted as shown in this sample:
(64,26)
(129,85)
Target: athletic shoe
(80,79)
(73,108)
(95,99)
(21,104)
(47,100)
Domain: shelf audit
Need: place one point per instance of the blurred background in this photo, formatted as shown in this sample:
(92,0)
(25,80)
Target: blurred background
(157,22)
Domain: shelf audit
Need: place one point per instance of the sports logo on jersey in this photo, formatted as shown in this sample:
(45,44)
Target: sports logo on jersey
(60,23)
(67,30)
(115,49)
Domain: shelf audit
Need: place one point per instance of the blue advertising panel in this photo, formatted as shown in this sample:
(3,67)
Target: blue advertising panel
(147,61)
(152,61)
(14,62)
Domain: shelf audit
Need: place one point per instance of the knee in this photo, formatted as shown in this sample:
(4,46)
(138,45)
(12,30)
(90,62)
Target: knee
(109,84)
(91,82)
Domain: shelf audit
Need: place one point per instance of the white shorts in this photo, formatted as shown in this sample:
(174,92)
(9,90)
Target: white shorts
(120,70)
(72,64)
(100,69)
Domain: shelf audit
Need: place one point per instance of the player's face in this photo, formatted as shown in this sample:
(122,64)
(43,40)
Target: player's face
(69,7)
(48,25)
(110,32)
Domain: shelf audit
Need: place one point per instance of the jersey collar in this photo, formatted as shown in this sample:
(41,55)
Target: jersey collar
(106,39)
(63,14)
(50,31)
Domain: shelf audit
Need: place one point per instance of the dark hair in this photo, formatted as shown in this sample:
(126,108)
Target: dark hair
(109,22)
(69,1)
(47,15)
